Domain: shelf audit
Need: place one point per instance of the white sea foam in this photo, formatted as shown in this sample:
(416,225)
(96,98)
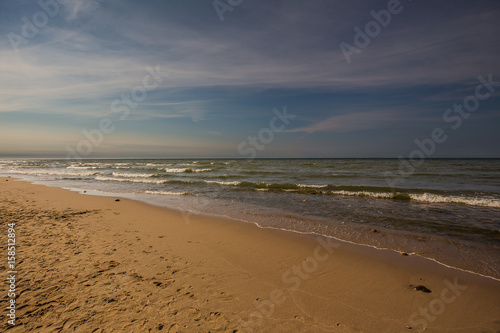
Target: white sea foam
(235,183)
(312,186)
(158,165)
(131,180)
(473,201)
(175,170)
(165,193)
(95,164)
(181,170)
(81,167)
(363,194)
(133,175)
(54,172)
(426,198)
(141,180)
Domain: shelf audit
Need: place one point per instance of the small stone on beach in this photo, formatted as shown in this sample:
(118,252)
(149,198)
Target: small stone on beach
(374,230)
(422,289)
(117,200)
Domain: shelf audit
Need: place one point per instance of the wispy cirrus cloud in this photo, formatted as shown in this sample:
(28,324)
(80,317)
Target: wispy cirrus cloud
(78,8)
(352,122)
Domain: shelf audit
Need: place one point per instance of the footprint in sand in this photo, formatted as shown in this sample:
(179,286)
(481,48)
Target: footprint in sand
(173,329)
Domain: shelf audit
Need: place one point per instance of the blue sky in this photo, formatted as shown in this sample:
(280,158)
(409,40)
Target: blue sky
(64,64)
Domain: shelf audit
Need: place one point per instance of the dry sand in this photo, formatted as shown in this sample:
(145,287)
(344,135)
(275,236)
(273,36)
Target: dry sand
(93,264)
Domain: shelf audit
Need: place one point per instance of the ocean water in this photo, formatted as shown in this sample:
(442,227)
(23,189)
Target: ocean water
(447,210)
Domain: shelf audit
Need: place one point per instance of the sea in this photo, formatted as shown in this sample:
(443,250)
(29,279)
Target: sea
(446,210)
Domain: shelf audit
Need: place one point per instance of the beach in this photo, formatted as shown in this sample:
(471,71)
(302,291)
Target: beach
(101,264)
(250,166)
(447,210)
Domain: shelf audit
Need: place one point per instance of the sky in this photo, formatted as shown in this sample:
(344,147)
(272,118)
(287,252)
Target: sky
(244,79)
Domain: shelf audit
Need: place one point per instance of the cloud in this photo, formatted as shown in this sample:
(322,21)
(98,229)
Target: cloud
(78,8)
(352,122)
(96,62)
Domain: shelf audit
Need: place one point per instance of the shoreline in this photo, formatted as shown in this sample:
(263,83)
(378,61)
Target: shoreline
(312,234)
(257,265)
(459,235)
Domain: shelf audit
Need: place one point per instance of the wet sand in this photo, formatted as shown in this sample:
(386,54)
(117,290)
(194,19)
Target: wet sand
(93,264)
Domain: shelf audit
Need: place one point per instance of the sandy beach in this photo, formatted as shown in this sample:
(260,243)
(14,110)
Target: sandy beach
(101,264)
